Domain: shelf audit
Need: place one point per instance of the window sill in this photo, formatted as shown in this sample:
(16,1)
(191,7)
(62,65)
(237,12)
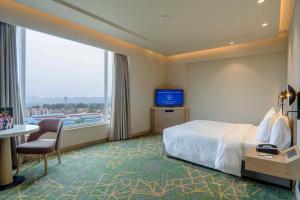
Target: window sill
(82,126)
(77,127)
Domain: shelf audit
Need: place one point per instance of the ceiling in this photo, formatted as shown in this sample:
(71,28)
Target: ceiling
(171,26)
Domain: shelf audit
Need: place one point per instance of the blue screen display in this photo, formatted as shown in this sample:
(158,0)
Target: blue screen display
(169,98)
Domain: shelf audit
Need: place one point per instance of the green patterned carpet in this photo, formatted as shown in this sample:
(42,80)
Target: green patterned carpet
(133,169)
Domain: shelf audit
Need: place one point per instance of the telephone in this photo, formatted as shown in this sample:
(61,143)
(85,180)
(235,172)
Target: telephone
(267,148)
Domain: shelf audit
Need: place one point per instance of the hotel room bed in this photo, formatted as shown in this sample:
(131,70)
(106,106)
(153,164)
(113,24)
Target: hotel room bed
(216,145)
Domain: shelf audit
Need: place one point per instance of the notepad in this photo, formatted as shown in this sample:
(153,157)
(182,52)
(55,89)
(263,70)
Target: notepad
(265,155)
(291,153)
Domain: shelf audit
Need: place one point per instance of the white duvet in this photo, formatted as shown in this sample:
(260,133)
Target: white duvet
(212,144)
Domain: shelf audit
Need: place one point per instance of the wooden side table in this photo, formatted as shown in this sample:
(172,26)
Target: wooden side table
(274,165)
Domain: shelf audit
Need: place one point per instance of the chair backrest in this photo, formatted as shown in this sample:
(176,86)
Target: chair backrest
(59,135)
(46,126)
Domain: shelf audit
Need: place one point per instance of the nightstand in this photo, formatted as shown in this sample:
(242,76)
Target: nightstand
(274,165)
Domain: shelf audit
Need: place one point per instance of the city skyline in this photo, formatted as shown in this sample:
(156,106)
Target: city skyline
(33,100)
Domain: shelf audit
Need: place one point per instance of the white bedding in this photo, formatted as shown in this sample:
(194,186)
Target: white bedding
(212,144)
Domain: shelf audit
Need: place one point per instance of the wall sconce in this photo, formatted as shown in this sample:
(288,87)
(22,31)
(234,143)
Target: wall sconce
(291,95)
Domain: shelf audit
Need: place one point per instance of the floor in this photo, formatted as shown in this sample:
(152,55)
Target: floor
(133,169)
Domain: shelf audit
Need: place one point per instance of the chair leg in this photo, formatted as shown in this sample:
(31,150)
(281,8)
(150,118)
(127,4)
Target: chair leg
(18,163)
(46,164)
(58,156)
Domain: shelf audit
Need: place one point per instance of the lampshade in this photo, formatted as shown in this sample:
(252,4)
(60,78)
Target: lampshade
(291,94)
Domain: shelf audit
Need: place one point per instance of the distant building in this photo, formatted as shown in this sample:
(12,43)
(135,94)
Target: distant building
(37,111)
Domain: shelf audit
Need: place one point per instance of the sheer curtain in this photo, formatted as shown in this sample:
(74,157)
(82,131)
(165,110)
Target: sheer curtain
(120,120)
(9,77)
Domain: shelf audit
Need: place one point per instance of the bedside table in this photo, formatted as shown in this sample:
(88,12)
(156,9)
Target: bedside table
(274,165)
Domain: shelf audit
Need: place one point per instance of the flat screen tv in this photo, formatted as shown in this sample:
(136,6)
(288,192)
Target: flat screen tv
(169,98)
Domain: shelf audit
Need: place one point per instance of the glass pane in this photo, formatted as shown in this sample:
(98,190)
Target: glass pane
(109,83)
(64,79)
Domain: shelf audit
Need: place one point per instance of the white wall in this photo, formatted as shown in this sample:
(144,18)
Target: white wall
(176,73)
(255,58)
(73,138)
(146,67)
(294,52)
(236,90)
(294,61)
(293,49)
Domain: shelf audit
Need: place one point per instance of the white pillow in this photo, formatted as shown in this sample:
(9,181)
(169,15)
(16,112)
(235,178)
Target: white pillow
(265,127)
(281,133)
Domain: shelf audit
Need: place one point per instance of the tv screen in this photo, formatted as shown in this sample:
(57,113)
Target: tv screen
(169,98)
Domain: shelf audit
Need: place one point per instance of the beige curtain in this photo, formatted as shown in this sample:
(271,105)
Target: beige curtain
(120,119)
(9,86)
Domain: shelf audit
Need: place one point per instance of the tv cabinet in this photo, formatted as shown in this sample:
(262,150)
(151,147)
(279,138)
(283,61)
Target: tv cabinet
(164,117)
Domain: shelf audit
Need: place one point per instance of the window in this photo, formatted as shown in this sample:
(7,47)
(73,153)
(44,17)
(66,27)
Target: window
(66,79)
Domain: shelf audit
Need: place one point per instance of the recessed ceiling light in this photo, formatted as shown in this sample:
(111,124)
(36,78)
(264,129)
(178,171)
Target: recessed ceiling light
(264,24)
(231,43)
(260,1)
(164,18)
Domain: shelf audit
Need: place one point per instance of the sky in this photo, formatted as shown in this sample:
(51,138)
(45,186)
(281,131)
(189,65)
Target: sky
(57,67)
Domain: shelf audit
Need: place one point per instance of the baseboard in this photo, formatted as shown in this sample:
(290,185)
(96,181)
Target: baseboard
(82,145)
(139,134)
(86,144)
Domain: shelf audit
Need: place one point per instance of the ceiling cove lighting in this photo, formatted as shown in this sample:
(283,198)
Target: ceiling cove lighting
(260,1)
(264,25)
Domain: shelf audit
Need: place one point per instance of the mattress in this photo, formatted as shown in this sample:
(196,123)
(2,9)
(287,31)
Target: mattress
(217,145)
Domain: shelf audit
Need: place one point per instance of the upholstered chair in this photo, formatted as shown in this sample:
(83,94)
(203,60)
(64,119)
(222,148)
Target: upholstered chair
(35,145)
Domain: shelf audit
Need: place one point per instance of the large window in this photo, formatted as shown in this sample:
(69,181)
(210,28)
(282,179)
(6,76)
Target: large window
(66,79)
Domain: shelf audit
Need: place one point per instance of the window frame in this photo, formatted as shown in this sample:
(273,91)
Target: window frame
(21,43)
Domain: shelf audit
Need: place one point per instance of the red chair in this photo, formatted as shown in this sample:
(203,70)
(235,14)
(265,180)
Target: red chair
(35,145)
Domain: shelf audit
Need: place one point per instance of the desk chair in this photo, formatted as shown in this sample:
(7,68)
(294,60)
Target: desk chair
(35,145)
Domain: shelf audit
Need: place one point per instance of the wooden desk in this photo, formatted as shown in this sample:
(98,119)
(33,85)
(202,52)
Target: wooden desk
(6,179)
(279,165)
